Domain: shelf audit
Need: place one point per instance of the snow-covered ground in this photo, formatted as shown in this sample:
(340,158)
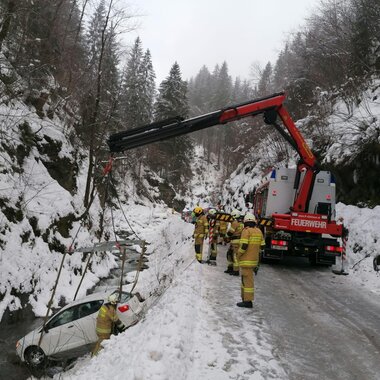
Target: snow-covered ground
(192,329)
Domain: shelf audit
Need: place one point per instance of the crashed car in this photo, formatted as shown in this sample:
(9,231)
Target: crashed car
(71,332)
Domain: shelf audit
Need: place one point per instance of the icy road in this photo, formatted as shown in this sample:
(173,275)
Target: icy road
(322,326)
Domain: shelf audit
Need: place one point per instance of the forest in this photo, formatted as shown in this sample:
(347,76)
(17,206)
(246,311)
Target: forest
(70,53)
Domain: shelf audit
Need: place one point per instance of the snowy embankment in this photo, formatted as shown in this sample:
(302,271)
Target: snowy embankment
(193,330)
(36,208)
(363,244)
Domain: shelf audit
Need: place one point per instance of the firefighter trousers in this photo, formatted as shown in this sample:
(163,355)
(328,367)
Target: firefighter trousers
(198,245)
(98,345)
(230,259)
(235,249)
(247,283)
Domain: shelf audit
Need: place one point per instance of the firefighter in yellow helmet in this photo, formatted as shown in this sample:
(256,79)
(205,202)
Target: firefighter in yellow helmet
(106,320)
(200,231)
(251,241)
(234,233)
(213,235)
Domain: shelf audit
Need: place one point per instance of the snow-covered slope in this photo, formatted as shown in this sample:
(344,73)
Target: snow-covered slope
(43,171)
(206,182)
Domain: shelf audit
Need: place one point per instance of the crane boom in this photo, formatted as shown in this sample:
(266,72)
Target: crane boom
(271,106)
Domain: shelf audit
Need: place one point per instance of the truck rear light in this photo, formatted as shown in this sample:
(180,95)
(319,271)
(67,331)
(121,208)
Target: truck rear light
(328,197)
(282,243)
(123,308)
(333,248)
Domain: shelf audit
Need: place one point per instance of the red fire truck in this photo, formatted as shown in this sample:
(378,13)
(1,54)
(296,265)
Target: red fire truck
(295,206)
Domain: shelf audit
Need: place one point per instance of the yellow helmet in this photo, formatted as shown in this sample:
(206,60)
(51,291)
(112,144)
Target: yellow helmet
(250,218)
(198,210)
(113,298)
(235,214)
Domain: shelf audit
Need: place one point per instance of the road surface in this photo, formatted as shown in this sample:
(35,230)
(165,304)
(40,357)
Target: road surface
(322,325)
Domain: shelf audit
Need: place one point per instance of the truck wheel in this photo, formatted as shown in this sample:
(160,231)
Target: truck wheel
(313,259)
(35,357)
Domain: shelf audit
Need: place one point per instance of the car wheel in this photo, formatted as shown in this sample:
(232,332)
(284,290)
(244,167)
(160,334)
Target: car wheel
(35,357)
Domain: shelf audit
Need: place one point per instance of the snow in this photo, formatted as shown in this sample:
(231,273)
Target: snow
(192,328)
(353,125)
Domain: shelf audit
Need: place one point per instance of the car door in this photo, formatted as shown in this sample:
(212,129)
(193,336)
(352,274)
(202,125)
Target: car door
(86,323)
(62,333)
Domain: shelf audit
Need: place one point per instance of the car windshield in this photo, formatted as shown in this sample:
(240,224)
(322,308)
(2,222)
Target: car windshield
(125,296)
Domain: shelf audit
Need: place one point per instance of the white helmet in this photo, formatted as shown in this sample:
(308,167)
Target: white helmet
(212,211)
(249,218)
(235,214)
(113,298)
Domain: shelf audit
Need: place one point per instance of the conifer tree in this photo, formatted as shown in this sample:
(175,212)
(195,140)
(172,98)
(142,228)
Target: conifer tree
(176,153)
(149,88)
(133,88)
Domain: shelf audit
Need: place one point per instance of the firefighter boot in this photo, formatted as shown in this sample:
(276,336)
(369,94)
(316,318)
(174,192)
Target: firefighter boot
(247,304)
(234,273)
(211,260)
(228,270)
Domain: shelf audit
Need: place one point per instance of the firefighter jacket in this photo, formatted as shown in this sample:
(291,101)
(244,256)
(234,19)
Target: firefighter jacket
(251,241)
(234,231)
(223,227)
(201,227)
(106,319)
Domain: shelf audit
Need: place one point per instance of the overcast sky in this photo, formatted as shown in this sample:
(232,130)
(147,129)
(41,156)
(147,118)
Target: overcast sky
(198,32)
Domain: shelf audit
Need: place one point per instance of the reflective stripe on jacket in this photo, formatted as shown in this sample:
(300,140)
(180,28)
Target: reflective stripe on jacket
(223,227)
(235,231)
(201,227)
(107,317)
(253,237)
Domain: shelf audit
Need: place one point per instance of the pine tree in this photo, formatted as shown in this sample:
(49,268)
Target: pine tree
(176,153)
(149,88)
(223,87)
(265,86)
(200,92)
(172,98)
(133,88)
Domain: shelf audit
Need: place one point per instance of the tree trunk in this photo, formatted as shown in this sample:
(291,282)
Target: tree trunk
(89,174)
(7,21)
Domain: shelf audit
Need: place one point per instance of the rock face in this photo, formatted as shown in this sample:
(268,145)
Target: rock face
(358,181)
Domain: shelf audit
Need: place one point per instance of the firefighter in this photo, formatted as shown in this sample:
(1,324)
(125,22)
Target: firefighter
(106,321)
(213,235)
(233,234)
(222,230)
(200,232)
(251,242)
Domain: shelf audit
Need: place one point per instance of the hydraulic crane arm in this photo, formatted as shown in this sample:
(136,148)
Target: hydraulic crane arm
(271,106)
